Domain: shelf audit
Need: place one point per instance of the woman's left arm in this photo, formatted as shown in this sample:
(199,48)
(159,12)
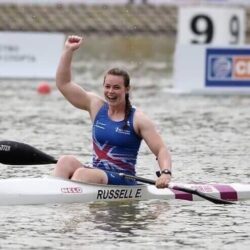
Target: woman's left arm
(147,130)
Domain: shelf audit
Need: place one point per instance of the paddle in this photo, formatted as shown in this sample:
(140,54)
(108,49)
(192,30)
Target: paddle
(17,153)
(183,189)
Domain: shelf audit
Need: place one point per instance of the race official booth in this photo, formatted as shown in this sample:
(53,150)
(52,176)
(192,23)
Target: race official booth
(210,54)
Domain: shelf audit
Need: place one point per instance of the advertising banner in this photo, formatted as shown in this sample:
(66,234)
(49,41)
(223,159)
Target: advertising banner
(226,67)
(212,69)
(29,55)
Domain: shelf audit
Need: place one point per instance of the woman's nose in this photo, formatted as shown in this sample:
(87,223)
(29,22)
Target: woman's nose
(111,90)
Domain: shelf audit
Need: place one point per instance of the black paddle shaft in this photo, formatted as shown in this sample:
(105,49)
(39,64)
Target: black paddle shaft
(183,189)
(17,153)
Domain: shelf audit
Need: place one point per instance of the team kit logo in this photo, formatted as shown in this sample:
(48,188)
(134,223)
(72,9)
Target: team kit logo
(228,67)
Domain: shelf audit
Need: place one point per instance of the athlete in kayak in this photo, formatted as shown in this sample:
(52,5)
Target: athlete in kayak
(118,128)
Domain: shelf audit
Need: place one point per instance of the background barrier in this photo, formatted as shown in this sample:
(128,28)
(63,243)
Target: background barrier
(122,2)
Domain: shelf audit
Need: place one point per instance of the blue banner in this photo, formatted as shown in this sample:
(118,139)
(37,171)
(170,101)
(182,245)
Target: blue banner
(227,67)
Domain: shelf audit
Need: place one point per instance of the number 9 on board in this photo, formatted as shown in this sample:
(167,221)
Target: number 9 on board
(211,25)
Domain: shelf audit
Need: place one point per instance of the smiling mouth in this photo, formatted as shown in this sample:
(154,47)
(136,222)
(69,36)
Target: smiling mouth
(111,99)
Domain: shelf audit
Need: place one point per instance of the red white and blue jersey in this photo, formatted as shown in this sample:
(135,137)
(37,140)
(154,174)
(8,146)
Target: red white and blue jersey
(115,146)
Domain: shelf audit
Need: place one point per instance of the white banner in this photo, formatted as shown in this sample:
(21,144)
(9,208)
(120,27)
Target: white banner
(30,55)
(211,25)
(123,2)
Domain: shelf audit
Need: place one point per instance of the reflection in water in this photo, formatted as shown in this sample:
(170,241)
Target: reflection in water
(123,217)
(177,224)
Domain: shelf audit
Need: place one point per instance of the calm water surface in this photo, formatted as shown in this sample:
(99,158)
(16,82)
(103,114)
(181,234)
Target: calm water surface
(207,135)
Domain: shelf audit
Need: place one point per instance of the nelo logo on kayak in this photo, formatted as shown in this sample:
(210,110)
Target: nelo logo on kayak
(4,147)
(71,190)
(113,194)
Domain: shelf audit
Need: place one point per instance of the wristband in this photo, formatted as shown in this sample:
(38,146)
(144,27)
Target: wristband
(166,171)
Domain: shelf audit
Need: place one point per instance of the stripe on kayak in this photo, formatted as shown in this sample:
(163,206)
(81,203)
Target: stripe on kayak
(226,192)
(182,195)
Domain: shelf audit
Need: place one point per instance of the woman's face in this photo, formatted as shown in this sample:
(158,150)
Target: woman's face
(114,89)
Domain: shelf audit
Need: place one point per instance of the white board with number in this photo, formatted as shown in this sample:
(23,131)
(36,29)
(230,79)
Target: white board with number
(211,25)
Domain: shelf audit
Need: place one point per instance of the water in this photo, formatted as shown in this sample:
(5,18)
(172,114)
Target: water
(207,135)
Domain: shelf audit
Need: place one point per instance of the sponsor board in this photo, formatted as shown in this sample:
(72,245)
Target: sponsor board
(30,54)
(226,67)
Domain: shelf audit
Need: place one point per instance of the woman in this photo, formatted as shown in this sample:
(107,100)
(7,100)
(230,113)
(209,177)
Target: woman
(117,128)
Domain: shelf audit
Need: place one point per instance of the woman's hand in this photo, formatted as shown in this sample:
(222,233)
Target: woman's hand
(73,42)
(163,180)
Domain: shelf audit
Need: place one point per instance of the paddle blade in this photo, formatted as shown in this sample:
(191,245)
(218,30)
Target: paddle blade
(17,153)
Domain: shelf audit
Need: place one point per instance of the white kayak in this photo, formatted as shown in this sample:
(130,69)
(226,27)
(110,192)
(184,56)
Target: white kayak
(22,191)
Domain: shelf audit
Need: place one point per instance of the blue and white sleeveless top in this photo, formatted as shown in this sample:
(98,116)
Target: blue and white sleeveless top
(115,147)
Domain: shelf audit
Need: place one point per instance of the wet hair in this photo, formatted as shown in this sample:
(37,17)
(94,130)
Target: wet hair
(124,74)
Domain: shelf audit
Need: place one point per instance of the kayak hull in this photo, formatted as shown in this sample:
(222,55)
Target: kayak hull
(23,191)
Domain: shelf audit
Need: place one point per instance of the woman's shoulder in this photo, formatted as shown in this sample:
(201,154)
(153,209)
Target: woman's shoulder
(141,119)
(96,104)
(139,113)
